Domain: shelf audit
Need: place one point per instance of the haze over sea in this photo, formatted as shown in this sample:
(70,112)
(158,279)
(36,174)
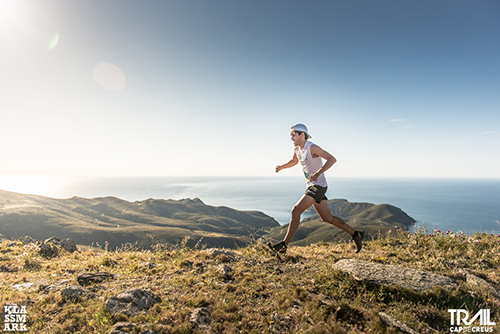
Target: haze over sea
(468,205)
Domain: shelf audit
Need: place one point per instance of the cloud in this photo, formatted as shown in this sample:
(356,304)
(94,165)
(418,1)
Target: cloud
(397,120)
(489,132)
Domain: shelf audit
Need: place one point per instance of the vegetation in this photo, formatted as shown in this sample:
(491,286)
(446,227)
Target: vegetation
(119,222)
(371,218)
(169,221)
(255,292)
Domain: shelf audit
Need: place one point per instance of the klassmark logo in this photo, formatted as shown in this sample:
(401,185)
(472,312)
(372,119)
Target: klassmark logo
(14,318)
(460,322)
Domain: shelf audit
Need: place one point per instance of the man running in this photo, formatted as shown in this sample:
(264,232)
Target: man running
(309,155)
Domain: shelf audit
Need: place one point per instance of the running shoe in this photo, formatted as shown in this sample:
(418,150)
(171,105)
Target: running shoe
(279,248)
(358,237)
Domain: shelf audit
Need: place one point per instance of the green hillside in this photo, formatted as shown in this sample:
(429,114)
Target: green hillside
(116,221)
(145,223)
(373,219)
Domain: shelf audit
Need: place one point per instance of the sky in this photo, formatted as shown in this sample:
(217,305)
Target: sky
(391,88)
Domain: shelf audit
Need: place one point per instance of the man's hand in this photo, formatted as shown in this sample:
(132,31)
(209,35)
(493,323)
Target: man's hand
(314,177)
(278,168)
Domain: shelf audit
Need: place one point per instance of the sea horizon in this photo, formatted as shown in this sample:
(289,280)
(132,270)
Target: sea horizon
(448,204)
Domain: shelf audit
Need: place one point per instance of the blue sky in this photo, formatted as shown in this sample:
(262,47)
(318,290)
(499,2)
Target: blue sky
(390,88)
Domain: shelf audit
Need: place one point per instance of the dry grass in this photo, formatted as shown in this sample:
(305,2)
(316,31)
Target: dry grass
(260,294)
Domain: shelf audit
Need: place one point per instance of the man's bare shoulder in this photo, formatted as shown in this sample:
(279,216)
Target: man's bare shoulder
(315,148)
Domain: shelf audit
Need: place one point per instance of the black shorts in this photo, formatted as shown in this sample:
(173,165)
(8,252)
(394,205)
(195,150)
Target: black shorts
(317,192)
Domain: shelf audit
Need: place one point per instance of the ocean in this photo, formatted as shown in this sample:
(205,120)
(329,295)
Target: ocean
(467,205)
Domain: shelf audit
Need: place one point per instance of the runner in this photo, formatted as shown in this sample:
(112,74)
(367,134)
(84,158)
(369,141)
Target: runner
(309,155)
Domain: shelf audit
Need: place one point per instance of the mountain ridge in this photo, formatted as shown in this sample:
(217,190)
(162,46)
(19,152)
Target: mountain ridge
(115,221)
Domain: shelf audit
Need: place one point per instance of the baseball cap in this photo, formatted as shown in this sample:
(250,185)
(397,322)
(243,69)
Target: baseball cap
(301,127)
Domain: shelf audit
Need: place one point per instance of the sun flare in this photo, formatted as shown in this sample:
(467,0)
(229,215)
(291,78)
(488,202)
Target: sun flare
(36,185)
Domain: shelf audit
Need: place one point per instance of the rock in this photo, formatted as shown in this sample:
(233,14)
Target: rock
(49,250)
(93,278)
(22,286)
(388,320)
(68,245)
(129,327)
(132,302)
(224,270)
(122,327)
(381,274)
(214,252)
(53,240)
(46,288)
(76,293)
(323,299)
(27,240)
(200,317)
(145,265)
(474,281)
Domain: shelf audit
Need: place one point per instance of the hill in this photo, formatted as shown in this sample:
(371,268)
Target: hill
(190,290)
(117,221)
(375,220)
(113,221)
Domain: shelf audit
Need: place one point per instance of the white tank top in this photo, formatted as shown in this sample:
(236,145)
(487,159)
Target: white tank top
(310,165)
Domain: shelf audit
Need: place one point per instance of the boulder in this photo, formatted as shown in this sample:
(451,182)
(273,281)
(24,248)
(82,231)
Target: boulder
(58,286)
(122,328)
(388,320)
(224,270)
(53,240)
(214,252)
(132,302)
(68,245)
(129,327)
(27,240)
(93,278)
(49,250)
(384,274)
(479,283)
(22,286)
(200,317)
(76,293)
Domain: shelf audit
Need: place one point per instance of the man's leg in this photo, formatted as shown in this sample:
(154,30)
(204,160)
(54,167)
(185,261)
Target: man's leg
(325,214)
(324,211)
(302,205)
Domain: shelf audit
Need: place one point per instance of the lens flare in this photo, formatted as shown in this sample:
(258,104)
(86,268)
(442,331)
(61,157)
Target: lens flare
(54,39)
(110,76)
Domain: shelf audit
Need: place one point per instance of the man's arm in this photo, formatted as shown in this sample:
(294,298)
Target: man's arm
(289,164)
(317,151)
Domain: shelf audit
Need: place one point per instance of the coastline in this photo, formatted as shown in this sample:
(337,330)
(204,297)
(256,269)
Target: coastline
(468,205)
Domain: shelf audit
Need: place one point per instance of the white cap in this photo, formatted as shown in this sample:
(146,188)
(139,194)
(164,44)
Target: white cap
(302,128)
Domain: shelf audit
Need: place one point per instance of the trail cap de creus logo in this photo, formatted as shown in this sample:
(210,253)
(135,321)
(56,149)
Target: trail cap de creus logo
(14,318)
(460,322)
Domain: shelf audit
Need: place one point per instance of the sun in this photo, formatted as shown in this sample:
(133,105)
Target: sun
(26,184)
(8,9)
